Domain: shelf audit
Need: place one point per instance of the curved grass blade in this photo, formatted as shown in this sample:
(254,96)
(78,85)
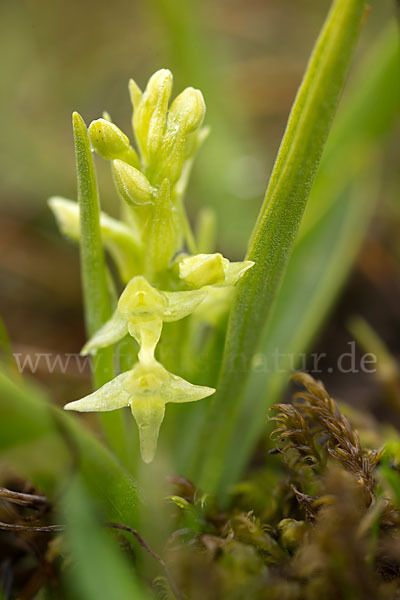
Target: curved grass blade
(328,242)
(45,444)
(98,568)
(306,298)
(367,116)
(94,276)
(276,229)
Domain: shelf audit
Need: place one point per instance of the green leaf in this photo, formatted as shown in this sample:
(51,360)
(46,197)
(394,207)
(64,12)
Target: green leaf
(46,445)
(305,298)
(93,272)
(98,569)
(369,113)
(276,229)
(328,241)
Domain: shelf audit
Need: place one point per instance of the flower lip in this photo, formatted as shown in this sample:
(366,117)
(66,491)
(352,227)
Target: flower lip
(140,299)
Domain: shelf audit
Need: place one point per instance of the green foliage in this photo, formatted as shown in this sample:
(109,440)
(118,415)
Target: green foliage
(336,218)
(94,278)
(275,232)
(44,444)
(98,570)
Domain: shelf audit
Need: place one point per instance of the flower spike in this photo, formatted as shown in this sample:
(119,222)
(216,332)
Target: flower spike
(147,245)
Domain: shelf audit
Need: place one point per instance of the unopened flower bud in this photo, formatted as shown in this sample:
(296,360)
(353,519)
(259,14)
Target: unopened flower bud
(132,184)
(211,269)
(111,143)
(149,119)
(203,269)
(188,110)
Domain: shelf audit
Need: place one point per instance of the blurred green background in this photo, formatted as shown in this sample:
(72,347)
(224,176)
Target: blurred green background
(246,56)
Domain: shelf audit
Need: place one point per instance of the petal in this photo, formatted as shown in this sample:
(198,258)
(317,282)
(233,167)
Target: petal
(149,414)
(179,390)
(114,394)
(181,304)
(111,332)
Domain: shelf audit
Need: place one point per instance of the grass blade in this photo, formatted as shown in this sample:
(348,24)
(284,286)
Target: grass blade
(98,569)
(94,276)
(329,239)
(277,225)
(46,445)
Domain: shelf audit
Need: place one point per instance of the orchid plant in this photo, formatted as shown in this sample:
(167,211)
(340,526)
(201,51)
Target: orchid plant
(154,250)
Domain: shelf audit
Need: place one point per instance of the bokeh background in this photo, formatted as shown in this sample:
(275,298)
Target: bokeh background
(248,57)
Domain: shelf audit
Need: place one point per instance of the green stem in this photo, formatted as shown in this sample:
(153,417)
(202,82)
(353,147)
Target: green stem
(276,228)
(96,296)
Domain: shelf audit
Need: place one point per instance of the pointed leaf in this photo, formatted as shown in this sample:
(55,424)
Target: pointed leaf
(121,241)
(277,225)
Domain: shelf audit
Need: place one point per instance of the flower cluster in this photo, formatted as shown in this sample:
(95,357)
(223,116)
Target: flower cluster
(163,283)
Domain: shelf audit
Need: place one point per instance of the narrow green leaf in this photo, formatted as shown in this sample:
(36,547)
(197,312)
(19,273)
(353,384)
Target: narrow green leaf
(93,273)
(97,569)
(46,445)
(305,299)
(276,229)
(328,242)
(95,292)
(373,102)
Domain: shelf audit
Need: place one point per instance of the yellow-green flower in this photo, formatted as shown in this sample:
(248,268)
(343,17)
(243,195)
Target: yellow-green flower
(141,311)
(147,247)
(146,389)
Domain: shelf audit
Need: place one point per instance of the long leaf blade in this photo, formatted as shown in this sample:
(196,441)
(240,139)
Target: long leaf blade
(47,445)
(98,569)
(328,242)
(278,223)
(96,297)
